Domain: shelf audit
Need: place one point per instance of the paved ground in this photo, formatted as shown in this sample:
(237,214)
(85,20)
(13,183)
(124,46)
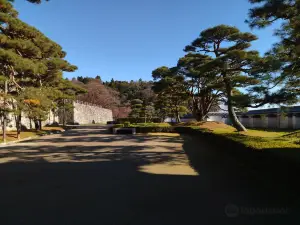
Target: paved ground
(86,176)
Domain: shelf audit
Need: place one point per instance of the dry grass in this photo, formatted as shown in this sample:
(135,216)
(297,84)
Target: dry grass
(12,135)
(53,129)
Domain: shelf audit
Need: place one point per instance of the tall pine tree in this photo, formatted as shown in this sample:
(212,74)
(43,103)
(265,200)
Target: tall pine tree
(232,61)
(287,51)
(27,57)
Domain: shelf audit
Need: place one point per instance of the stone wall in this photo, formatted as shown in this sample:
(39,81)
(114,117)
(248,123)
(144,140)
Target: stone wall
(84,113)
(26,122)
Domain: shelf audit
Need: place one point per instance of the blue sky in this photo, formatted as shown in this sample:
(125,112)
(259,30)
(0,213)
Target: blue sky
(126,40)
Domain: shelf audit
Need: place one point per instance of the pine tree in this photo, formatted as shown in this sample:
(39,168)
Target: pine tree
(204,87)
(231,62)
(287,51)
(170,83)
(136,108)
(27,57)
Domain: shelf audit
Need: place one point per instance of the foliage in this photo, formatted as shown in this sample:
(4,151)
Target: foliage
(29,61)
(234,66)
(127,124)
(103,95)
(34,102)
(137,120)
(287,51)
(136,108)
(170,87)
(202,86)
(129,91)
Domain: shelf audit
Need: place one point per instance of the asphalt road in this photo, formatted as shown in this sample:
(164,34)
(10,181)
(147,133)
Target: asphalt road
(87,176)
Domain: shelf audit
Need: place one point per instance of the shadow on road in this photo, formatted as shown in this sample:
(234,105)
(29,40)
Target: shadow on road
(105,185)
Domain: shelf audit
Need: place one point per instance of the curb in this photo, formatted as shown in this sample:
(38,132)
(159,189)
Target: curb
(30,138)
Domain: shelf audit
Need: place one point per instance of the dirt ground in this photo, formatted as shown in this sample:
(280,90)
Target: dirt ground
(87,176)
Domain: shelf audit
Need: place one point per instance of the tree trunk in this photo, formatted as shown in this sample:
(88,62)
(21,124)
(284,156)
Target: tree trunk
(201,109)
(4,114)
(40,124)
(177,117)
(19,125)
(232,115)
(64,113)
(198,114)
(199,117)
(54,120)
(36,124)
(4,128)
(30,123)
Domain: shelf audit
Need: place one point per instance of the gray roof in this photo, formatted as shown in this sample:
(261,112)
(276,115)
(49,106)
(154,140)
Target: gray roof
(293,109)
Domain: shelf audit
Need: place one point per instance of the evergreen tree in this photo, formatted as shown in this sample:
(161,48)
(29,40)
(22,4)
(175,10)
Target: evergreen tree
(204,87)
(170,83)
(231,63)
(162,106)
(27,57)
(136,108)
(287,51)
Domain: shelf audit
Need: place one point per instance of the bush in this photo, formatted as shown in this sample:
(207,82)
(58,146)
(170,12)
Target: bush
(155,129)
(127,124)
(150,125)
(118,125)
(137,120)
(111,122)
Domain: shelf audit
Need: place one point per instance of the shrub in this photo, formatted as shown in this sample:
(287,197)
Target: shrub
(155,129)
(150,125)
(127,124)
(138,120)
(118,125)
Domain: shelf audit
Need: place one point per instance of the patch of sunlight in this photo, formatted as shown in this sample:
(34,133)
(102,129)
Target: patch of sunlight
(8,159)
(165,134)
(168,169)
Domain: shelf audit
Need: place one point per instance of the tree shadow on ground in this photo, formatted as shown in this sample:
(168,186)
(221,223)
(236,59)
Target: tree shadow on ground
(77,184)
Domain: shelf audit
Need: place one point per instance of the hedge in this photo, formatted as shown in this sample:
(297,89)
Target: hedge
(138,120)
(183,130)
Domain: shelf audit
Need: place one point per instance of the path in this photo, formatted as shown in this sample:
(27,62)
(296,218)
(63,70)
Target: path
(86,176)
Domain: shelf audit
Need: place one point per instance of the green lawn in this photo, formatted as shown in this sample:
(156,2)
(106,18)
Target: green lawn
(259,139)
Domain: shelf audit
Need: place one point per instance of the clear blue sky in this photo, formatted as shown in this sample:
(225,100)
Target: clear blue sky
(127,39)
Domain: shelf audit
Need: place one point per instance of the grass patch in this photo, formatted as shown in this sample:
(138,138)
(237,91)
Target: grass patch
(164,134)
(258,139)
(12,135)
(91,124)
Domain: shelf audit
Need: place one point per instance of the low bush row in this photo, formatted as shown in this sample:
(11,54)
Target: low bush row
(138,120)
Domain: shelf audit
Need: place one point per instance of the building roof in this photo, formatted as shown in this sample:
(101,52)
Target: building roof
(293,109)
